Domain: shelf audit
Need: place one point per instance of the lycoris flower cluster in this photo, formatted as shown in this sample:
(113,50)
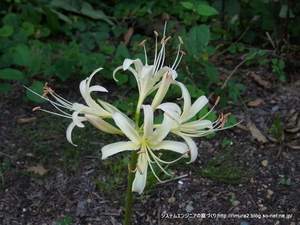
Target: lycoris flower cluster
(146,137)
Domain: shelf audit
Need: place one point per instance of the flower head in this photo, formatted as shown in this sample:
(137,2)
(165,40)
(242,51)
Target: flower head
(186,129)
(146,141)
(91,112)
(150,77)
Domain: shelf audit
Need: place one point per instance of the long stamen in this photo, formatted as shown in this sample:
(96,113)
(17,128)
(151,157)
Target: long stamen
(178,58)
(155,56)
(215,104)
(145,52)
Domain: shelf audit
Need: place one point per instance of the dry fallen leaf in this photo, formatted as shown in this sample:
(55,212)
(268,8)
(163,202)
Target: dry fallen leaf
(37,170)
(260,81)
(26,120)
(127,35)
(256,102)
(256,134)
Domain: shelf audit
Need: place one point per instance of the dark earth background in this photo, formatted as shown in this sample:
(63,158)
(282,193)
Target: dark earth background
(29,198)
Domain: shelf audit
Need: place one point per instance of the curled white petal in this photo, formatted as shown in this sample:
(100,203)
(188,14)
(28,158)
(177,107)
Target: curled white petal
(117,147)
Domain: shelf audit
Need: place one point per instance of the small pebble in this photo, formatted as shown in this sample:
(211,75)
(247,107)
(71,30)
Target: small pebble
(172,200)
(244,223)
(262,209)
(269,193)
(265,163)
(236,203)
(189,208)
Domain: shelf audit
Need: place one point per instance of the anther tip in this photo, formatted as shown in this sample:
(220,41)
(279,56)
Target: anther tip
(217,101)
(180,39)
(36,108)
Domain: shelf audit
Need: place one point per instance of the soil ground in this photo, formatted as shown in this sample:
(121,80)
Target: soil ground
(268,195)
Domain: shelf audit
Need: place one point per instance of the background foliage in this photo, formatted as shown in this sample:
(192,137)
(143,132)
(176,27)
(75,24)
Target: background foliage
(43,40)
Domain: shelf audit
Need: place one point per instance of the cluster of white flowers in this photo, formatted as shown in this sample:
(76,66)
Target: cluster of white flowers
(149,137)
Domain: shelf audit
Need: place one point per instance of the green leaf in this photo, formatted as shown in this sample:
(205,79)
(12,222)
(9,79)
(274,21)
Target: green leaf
(27,29)
(5,60)
(108,49)
(37,87)
(195,93)
(52,19)
(5,88)
(65,221)
(35,65)
(232,48)
(284,11)
(206,10)
(6,31)
(211,72)
(240,47)
(21,55)
(197,40)
(91,62)
(231,121)
(121,54)
(187,5)
(11,74)
(63,69)
(240,87)
(263,61)
(288,182)
(86,9)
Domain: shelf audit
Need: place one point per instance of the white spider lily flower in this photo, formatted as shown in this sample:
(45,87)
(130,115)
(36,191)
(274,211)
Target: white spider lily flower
(146,141)
(91,112)
(147,76)
(186,129)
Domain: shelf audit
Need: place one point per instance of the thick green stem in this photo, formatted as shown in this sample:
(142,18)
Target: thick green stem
(129,195)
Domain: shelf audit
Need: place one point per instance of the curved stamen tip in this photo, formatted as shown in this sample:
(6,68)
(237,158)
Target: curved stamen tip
(168,38)
(139,169)
(36,108)
(181,42)
(172,173)
(47,90)
(182,52)
(143,42)
(217,101)
(155,33)
(163,40)
(187,151)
